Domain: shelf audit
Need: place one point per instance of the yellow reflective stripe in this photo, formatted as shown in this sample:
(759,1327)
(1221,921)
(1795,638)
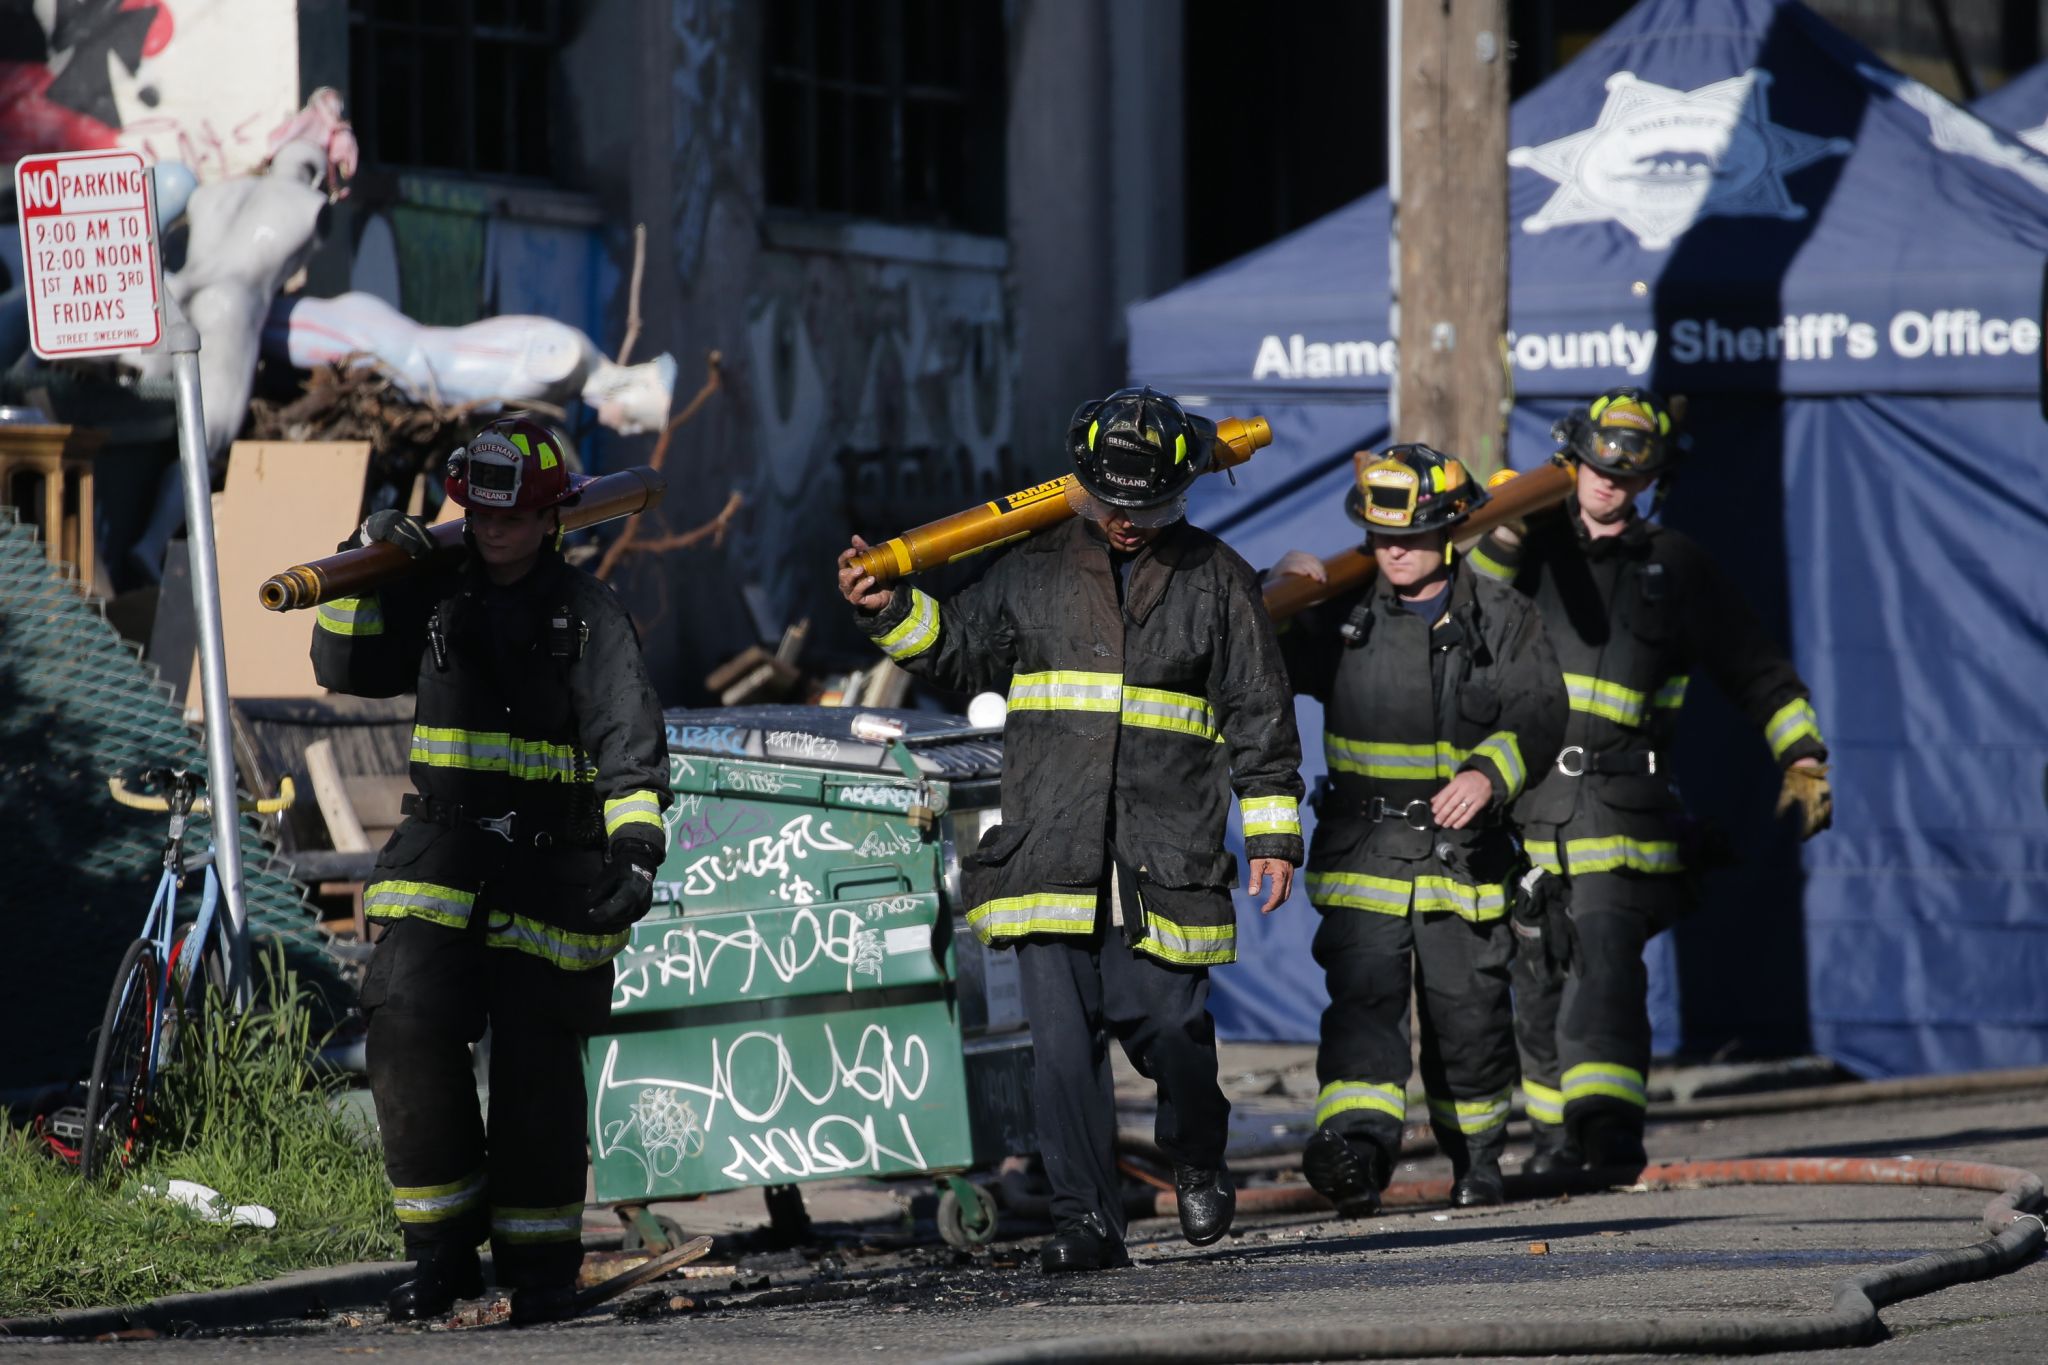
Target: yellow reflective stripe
(570,951)
(495,751)
(1607,1079)
(1610,701)
(916,632)
(640,807)
(1485,563)
(1793,722)
(1044,912)
(1504,752)
(563,1223)
(1606,854)
(1358,891)
(1391,762)
(449,905)
(437,1203)
(1154,708)
(1066,690)
(1191,945)
(350,616)
(1270,815)
(1486,901)
(1671,695)
(1339,1097)
(1544,1105)
(1472,1117)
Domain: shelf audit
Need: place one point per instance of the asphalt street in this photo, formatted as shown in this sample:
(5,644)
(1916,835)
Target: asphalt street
(1616,1255)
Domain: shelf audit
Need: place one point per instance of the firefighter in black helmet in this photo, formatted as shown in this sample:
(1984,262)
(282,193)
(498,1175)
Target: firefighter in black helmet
(1632,609)
(1438,687)
(529,846)
(1144,687)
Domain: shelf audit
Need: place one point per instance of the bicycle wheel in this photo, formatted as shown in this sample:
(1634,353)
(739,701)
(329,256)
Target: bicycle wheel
(197,970)
(117,1099)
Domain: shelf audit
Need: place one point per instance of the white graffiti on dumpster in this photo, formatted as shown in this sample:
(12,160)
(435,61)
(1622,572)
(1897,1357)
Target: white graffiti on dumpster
(881,1073)
(767,855)
(693,958)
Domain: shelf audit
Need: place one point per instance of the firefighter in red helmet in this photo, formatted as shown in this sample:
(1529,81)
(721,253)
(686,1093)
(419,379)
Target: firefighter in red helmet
(528,849)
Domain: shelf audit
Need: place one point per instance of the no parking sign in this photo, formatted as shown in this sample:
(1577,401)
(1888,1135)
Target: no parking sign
(88,245)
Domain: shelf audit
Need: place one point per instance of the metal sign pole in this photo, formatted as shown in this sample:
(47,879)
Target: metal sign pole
(183,340)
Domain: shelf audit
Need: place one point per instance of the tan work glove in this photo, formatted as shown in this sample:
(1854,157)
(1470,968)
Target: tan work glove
(1806,791)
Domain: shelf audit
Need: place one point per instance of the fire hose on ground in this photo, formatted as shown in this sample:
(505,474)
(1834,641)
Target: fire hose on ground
(2015,1235)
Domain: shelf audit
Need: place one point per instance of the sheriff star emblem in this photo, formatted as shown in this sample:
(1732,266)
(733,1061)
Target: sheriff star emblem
(1658,160)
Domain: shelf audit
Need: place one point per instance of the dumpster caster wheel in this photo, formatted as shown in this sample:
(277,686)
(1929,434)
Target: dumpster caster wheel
(788,1220)
(638,1237)
(967,1215)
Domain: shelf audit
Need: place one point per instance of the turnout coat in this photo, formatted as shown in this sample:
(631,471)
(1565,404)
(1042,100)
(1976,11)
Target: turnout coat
(537,742)
(1630,617)
(1407,706)
(1130,725)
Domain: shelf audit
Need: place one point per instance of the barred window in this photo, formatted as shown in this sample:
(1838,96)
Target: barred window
(456,85)
(886,109)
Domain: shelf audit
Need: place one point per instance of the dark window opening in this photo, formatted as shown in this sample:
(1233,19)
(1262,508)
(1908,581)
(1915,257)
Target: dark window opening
(456,85)
(886,109)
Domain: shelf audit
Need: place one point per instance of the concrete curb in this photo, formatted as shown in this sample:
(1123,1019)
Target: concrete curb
(297,1295)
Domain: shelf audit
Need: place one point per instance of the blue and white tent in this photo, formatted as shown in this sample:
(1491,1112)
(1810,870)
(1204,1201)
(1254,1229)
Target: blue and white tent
(1731,200)
(2019,107)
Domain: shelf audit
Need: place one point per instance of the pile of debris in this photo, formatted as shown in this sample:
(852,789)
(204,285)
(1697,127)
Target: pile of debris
(358,398)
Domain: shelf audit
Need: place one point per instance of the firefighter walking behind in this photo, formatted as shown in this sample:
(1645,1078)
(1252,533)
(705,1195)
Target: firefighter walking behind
(1633,608)
(1438,688)
(529,846)
(1144,685)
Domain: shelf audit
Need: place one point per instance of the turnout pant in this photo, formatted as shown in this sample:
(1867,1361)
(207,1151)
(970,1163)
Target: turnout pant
(1585,1038)
(1459,973)
(1079,993)
(519,1181)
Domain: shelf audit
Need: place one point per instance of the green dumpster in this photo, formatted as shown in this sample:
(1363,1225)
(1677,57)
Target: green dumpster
(805,1002)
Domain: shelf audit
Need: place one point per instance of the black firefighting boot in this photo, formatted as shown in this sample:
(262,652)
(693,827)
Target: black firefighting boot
(437,1282)
(1613,1142)
(1475,1166)
(1554,1153)
(1082,1245)
(1350,1174)
(1480,1187)
(545,1303)
(1207,1200)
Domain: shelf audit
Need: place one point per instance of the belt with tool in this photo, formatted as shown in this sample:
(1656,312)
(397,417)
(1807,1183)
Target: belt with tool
(510,826)
(1575,761)
(1417,814)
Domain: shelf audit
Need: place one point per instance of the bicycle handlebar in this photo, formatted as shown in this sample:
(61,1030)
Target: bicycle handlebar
(134,800)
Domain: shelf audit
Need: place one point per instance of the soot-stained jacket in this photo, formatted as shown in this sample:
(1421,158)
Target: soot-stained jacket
(1129,726)
(1631,616)
(533,700)
(1407,705)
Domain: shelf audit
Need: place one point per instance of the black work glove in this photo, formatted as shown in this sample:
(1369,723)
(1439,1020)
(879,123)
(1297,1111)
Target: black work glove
(626,892)
(394,527)
(1542,922)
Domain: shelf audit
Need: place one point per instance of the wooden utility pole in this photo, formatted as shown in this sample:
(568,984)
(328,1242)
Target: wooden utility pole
(1451,226)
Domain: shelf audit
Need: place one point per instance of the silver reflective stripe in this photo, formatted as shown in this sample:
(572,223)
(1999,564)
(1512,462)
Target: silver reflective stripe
(916,632)
(437,1203)
(1039,913)
(1473,1116)
(575,952)
(1064,690)
(1270,815)
(1158,709)
(1339,1097)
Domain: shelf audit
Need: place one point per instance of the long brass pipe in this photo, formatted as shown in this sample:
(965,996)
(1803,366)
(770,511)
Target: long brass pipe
(1517,497)
(1020,514)
(354,571)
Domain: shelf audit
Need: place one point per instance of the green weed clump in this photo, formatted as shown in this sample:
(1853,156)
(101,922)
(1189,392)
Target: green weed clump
(243,1111)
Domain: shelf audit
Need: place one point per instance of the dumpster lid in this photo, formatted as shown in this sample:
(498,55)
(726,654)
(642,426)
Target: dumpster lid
(946,747)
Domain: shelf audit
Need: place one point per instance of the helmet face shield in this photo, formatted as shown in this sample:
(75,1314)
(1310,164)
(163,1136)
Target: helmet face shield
(1091,508)
(1625,451)
(1138,450)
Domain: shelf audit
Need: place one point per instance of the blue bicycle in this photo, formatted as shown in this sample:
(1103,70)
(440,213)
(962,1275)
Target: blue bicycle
(159,989)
